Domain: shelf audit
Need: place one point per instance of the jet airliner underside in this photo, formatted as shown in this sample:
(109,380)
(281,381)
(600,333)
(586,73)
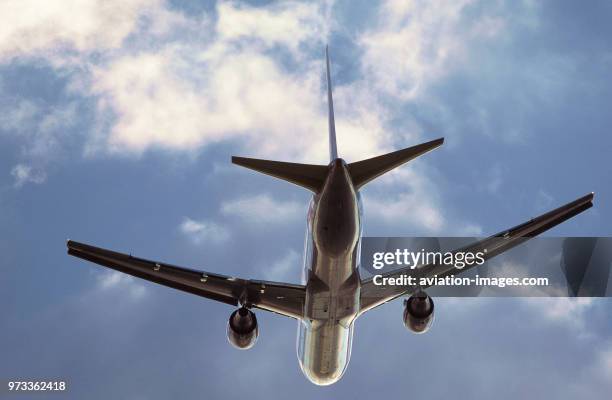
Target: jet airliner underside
(332,295)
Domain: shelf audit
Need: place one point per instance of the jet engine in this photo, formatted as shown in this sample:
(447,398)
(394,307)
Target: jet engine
(242,330)
(418,312)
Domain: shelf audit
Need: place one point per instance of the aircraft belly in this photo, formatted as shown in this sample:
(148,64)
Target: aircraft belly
(326,351)
(332,304)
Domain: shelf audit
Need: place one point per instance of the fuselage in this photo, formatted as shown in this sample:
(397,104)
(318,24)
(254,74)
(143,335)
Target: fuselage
(331,276)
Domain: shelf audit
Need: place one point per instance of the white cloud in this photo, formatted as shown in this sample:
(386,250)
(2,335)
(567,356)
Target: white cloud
(285,269)
(567,308)
(405,208)
(41,130)
(570,312)
(242,95)
(263,209)
(156,99)
(219,81)
(409,199)
(225,83)
(469,229)
(16,117)
(493,179)
(606,363)
(411,203)
(543,200)
(289,24)
(201,231)
(114,280)
(23,174)
(361,123)
(55,28)
(415,43)
(48,136)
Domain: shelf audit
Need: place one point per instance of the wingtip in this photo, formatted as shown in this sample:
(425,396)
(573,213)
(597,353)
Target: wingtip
(436,142)
(586,199)
(71,244)
(588,196)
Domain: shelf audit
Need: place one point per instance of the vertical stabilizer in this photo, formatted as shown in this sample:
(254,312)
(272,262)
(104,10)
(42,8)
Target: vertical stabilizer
(333,150)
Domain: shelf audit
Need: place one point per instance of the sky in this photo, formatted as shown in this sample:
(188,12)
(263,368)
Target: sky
(118,120)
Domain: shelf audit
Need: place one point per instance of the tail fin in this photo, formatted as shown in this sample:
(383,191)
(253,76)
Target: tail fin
(312,177)
(333,149)
(308,176)
(364,171)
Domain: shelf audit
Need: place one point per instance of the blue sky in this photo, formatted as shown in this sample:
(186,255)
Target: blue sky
(117,124)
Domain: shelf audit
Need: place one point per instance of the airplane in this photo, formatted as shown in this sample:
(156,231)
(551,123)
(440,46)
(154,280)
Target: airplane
(332,294)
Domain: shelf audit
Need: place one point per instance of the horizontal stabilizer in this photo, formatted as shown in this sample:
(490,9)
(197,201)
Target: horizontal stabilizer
(308,176)
(364,171)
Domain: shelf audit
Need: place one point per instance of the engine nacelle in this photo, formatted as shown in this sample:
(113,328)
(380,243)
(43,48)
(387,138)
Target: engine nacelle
(242,329)
(418,312)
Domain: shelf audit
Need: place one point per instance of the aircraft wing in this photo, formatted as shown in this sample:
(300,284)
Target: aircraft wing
(374,295)
(282,298)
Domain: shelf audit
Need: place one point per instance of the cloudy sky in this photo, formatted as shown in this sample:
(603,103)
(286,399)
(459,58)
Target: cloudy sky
(117,123)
